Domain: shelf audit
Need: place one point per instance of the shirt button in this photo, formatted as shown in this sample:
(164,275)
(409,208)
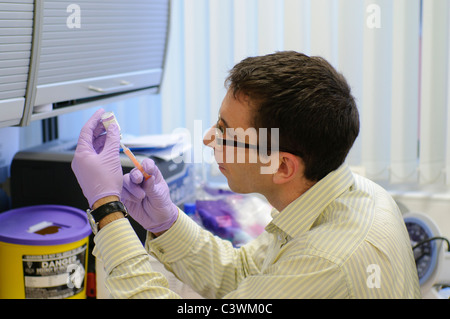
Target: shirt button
(161,250)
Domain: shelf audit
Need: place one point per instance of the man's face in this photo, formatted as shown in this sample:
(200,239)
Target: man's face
(240,165)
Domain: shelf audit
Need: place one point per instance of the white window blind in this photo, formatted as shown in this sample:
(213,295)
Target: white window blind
(395,55)
(434,88)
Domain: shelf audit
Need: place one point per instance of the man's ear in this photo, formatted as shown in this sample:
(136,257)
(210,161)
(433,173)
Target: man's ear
(289,166)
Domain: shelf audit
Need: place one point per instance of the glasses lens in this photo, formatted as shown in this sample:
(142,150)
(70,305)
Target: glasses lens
(218,137)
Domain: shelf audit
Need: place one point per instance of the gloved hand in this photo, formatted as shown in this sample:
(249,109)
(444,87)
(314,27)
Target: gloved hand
(148,201)
(96,162)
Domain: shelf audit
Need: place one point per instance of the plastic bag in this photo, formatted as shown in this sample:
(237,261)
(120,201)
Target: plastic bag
(238,218)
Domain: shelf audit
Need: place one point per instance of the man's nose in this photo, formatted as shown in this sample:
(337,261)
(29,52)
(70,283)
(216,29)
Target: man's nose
(209,137)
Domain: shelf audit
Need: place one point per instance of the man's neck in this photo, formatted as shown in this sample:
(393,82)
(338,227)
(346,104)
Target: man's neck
(283,195)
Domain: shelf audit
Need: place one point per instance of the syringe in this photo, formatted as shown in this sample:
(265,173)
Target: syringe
(107,119)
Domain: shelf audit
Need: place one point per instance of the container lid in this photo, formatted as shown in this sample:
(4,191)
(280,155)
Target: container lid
(43,225)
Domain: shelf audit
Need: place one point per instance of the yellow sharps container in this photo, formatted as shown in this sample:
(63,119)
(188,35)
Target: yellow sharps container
(43,252)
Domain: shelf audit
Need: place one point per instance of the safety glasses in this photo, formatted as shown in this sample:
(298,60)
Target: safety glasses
(220,141)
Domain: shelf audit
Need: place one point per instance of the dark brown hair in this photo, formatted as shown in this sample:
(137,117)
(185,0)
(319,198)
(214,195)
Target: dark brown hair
(307,99)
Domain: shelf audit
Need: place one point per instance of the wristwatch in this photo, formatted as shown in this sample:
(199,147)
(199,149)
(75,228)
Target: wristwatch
(94,216)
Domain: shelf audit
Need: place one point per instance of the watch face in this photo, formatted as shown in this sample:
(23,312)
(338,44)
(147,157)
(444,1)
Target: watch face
(92,222)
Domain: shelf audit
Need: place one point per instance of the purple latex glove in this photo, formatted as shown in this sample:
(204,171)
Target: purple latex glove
(96,162)
(148,202)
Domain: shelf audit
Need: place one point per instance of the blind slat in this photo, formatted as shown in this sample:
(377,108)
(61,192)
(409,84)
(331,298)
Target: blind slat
(245,29)
(405,91)
(434,90)
(351,23)
(376,103)
(196,65)
(270,26)
(221,53)
(297,22)
(323,29)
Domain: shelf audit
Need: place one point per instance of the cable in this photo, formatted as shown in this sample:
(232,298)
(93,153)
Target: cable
(431,239)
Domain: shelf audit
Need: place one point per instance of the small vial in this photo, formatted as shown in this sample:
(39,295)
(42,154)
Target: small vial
(108,118)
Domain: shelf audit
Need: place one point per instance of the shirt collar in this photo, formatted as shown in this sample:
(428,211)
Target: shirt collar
(299,215)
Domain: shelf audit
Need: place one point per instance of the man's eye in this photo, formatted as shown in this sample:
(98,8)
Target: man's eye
(220,128)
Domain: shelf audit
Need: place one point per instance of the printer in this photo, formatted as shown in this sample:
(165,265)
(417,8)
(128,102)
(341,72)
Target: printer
(42,175)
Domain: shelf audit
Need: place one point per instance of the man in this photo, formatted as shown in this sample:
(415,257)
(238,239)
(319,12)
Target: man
(333,234)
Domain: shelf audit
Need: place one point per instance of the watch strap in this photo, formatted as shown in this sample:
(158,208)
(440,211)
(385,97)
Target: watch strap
(104,210)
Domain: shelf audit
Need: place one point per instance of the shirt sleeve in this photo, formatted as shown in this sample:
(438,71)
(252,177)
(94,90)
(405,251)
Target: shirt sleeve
(128,265)
(210,265)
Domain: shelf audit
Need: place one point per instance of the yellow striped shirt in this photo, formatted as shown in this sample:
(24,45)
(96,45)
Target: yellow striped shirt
(343,238)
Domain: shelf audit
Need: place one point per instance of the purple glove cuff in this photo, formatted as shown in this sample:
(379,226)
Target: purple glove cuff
(92,200)
(167,224)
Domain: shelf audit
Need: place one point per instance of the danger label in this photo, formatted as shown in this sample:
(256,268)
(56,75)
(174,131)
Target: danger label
(59,275)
